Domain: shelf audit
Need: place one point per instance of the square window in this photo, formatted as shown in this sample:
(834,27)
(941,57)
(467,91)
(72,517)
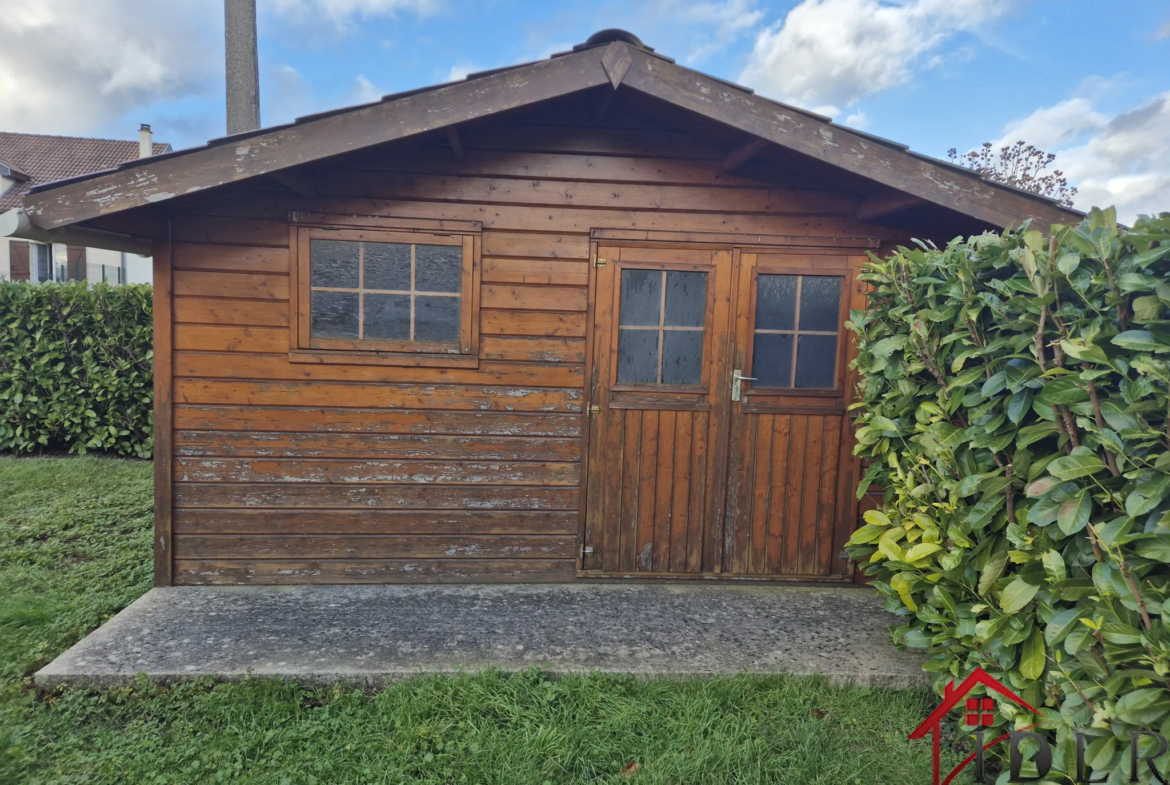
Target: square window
(797,329)
(384,293)
(660,326)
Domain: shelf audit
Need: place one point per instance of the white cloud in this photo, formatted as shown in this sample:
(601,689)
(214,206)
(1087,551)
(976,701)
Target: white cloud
(1122,161)
(829,54)
(723,22)
(343,13)
(461,70)
(77,66)
(364,91)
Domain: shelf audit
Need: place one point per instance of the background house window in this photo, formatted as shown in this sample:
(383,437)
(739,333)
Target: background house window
(798,319)
(386,292)
(43,261)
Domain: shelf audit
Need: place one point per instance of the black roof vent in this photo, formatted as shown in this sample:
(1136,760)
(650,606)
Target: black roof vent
(610,35)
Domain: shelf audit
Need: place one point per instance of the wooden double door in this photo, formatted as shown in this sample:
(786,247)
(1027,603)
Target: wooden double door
(719,440)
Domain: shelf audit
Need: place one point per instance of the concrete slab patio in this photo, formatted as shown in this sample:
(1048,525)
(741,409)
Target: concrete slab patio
(372,634)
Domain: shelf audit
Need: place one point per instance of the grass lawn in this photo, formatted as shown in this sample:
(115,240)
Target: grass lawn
(75,548)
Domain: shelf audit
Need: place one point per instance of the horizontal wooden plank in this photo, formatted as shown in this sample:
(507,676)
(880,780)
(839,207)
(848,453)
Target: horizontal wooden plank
(522,218)
(570,193)
(538,324)
(330,546)
(543,245)
(388,396)
(249,286)
(560,350)
(230,338)
(230,258)
(278,571)
(535,271)
(576,139)
(535,298)
(256,313)
(340,470)
(188,521)
(375,421)
(580,167)
(383,497)
(275,444)
(215,365)
(190,226)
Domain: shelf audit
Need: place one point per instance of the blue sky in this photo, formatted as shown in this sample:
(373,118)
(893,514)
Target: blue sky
(1088,80)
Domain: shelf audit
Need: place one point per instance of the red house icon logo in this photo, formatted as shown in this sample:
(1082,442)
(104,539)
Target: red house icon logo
(980,713)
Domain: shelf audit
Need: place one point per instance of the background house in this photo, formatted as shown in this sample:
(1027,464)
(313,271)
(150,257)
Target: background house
(32,159)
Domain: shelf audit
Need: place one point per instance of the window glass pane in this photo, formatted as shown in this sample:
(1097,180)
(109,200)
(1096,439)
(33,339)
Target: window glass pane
(776,302)
(436,319)
(820,301)
(686,299)
(387,266)
(438,268)
(334,263)
(772,360)
(638,356)
(333,315)
(641,297)
(387,317)
(682,356)
(816,361)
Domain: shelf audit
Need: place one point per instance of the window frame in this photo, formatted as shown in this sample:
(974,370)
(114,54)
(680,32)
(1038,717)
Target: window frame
(463,353)
(838,388)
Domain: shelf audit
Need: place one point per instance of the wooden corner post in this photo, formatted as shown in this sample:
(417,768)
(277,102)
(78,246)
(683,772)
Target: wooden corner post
(163,412)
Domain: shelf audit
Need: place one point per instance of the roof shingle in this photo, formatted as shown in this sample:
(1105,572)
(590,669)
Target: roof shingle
(46,159)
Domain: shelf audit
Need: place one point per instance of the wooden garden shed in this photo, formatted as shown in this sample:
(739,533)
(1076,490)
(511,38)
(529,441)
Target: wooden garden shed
(576,318)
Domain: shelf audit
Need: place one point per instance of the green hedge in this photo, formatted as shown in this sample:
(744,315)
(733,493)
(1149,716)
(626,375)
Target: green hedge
(1015,412)
(76,368)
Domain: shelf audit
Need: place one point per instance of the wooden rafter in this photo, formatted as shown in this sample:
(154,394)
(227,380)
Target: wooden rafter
(456,142)
(297,180)
(741,154)
(887,203)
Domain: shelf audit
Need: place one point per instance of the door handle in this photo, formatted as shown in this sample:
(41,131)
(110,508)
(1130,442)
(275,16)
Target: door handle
(737,380)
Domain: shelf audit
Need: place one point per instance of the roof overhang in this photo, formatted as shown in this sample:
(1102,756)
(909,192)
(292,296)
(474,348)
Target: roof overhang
(617,63)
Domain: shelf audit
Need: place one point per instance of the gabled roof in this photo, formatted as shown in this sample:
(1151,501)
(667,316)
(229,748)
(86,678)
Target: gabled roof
(613,58)
(44,159)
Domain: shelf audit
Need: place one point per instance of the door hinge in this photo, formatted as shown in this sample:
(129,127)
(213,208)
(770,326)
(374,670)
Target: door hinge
(594,409)
(598,262)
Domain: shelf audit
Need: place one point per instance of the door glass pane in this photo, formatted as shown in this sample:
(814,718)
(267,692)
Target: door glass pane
(776,302)
(641,298)
(686,299)
(388,266)
(772,360)
(638,356)
(816,361)
(438,268)
(436,318)
(682,356)
(334,263)
(820,302)
(333,315)
(387,317)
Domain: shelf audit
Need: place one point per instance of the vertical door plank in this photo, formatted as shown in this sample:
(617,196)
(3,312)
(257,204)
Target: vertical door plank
(761,492)
(797,445)
(680,491)
(811,493)
(828,502)
(779,483)
(648,475)
(663,493)
(630,485)
(697,519)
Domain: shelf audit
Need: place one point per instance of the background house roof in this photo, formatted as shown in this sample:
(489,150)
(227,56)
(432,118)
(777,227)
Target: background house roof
(44,159)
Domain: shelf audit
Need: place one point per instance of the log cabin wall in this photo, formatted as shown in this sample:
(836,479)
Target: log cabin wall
(294,473)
